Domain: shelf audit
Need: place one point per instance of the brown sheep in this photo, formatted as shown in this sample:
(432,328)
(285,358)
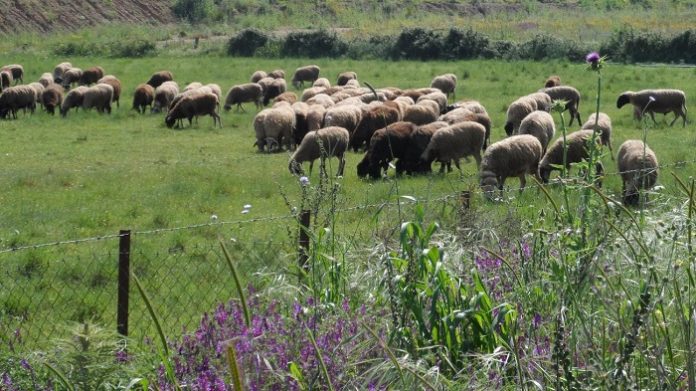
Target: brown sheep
(308,73)
(5,79)
(91,76)
(193,105)
(577,151)
(386,145)
(160,77)
(16,70)
(115,84)
(258,75)
(552,81)
(70,77)
(344,77)
(277,74)
(15,98)
(247,92)
(143,96)
(376,118)
(52,97)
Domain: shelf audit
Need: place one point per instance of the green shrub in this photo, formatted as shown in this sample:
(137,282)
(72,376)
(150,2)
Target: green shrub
(465,44)
(418,44)
(313,44)
(246,43)
(193,11)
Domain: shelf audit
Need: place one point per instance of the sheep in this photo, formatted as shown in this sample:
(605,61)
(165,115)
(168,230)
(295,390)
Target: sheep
(38,90)
(391,142)
(376,118)
(194,85)
(275,125)
(639,170)
(91,75)
(320,144)
(308,73)
(5,79)
(216,90)
(604,126)
(52,97)
(256,76)
(73,98)
(412,93)
(438,97)
(18,97)
(321,100)
(516,112)
(143,96)
(464,114)
(516,155)
(158,78)
(310,92)
(194,104)
(16,70)
(454,142)
(577,151)
(347,117)
(60,70)
(352,83)
(273,89)
(70,77)
(471,105)
(164,95)
(287,96)
(542,99)
(540,125)
(411,163)
(568,94)
(315,117)
(99,96)
(663,101)
(46,79)
(301,129)
(277,74)
(115,84)
(552,81)
(344,77)
(242,93)
(446,83)
(322,82)
(424,112)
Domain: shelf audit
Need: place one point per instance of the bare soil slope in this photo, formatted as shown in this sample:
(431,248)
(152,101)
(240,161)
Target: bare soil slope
(47,15)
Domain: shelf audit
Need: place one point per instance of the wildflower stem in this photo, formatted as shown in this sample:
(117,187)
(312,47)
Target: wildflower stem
(237,284)
(320,358)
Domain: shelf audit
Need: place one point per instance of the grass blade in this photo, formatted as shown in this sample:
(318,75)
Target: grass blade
(237,284)
(235,371)
(320,358)
(60,376)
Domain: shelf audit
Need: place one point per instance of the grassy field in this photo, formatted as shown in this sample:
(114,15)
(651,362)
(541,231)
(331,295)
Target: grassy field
(89,175)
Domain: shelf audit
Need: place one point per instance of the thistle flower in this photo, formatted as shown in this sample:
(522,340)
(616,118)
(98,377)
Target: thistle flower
(594,61)
(592,58)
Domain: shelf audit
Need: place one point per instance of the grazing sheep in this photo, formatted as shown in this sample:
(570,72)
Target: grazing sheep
(14,98)
(143,96)
(100,97)
(542,99)
(248,92)
(345,77)
(16,70)
(322,82)
(454,142)
(320,144)
(412,93)
(275,127)
(568,94)
(309,93)
(115,84)
(194,85)
(663,101)
(386,145)
(375,118)
(446,83)
(463,114)
(639,170)
(516,112)
(540,125)
(71,76)
(46,79)
(287,96)
(256,76)
(193,105)
(301,129)
(552,81)
(59,71)
(5,79)
(308,73)
(273,89)
(38,90)
(437,97)
(424,112)
(321,100)
(91,76)
(160,77)
(164,95)
(73,98)
(412,163)
(216,90)
(513,156)
(577,151)
(315,117)
(604,126)
(277,74)
(52,97)
(471,105)
(347,116)
(352,83)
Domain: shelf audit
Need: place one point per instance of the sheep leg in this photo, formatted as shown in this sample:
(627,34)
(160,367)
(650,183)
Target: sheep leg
(311,165)
(676,116)
(477,157)
(652,115)
(216,119)
(523,182)
(341,164)
(456,163)
(501,184)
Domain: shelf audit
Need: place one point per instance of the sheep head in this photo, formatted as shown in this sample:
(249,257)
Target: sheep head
(489,184)
(623,100)
(508,128)
(170,121)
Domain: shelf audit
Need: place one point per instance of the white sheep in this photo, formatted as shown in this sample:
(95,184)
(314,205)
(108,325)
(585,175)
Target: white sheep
(98,96)
(516,112)
(446,83)
(603,126)
(540,125)
(164,95)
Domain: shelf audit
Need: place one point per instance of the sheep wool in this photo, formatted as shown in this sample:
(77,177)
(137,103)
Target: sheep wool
(164,95)
(308,73)
(99,97)
(344,77)
(515,156)
(568,94)
(52,97)
(639,170)
(540,125)
(603,125)
(15,98)
(158,78)
(193,105)
(454,142)
(577,151)
(73,98)
(248,92)
(446,83)
(143,96)
(115,84)
(516,112)
(320,144)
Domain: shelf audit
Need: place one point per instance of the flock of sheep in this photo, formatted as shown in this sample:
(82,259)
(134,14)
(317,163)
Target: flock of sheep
(413,127)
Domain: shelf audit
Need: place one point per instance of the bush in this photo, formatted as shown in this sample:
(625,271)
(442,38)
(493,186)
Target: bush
(192,10)
(313,44)
(246,43)
(418,44)
(372,47)
(461,45)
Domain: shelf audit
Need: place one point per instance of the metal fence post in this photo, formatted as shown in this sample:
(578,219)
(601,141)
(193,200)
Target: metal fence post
(304,238)
(123,281)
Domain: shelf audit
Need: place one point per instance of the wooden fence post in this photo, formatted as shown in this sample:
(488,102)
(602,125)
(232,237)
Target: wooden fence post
(304,238)
(123,281)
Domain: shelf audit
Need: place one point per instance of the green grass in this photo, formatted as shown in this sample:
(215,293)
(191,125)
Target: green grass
(90,175)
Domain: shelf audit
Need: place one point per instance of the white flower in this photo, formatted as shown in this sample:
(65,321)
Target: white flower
(651,98)
(245,211)
(213,217)
(392,165)
(247,206)
(304,181)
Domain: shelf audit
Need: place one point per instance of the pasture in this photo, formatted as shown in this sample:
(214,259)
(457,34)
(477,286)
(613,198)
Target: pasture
(89,175)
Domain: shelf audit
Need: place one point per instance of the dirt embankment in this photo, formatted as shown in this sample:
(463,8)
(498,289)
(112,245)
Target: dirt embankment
(48,15)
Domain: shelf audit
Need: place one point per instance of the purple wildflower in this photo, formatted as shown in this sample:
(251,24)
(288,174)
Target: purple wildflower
(592,58)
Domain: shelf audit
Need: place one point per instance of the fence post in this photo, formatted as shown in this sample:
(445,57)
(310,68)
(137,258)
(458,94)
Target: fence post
(304,238)
(123,281)
(465,197)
